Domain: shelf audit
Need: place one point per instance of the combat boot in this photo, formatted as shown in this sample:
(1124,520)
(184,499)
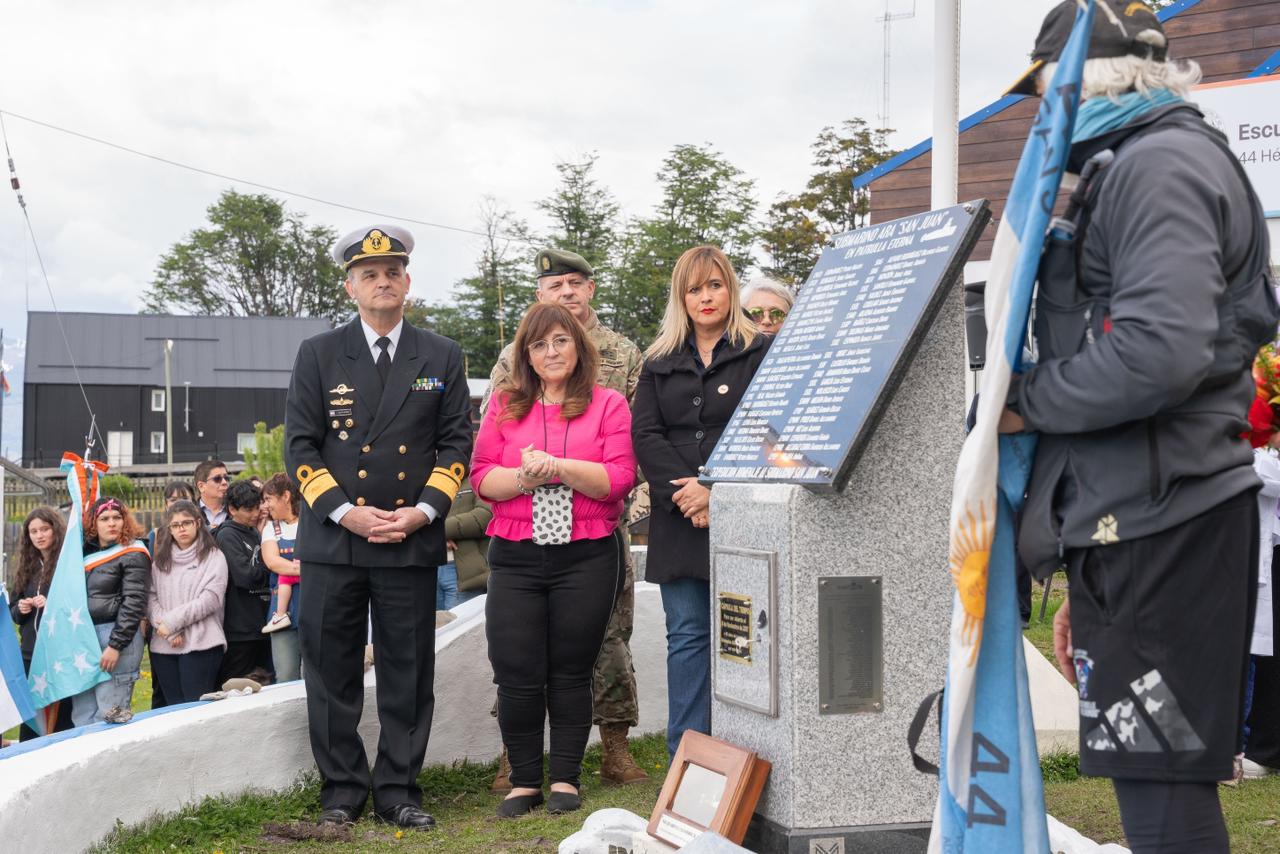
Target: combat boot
(502,780)
(616,765)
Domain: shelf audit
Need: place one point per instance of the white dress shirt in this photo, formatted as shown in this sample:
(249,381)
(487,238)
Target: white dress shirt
(371,337)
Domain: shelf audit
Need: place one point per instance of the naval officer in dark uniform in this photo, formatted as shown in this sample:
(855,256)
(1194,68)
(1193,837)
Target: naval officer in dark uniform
(378,435)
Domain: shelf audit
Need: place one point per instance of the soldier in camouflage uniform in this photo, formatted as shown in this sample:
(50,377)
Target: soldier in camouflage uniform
(567,278)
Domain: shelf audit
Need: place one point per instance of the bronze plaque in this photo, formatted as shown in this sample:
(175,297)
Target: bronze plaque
(735,627)
(850,645)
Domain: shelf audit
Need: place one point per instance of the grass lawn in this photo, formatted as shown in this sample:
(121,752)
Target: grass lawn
(458,797)
(460,800)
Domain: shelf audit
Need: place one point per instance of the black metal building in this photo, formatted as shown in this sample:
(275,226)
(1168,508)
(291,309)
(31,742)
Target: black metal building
(226,374)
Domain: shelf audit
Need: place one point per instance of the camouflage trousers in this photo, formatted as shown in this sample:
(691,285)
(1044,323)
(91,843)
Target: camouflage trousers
(613,682)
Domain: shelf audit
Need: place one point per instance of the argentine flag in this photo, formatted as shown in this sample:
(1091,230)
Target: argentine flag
(65,661)
(15,701)
(991,795)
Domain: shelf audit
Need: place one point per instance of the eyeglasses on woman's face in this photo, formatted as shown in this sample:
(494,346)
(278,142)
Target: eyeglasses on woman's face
(758,314)
(558,343)
(182,525)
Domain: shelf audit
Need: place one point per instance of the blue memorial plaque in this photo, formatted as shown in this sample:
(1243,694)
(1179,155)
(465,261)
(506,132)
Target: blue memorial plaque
(843,349)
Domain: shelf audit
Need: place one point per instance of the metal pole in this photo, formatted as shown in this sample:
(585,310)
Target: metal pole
(946,103)
(168,406)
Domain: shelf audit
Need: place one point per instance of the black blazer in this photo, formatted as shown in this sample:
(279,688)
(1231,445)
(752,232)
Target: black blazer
(678,416)
(348,440)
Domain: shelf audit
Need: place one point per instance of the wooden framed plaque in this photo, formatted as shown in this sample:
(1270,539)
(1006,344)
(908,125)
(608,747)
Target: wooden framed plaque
(712,785)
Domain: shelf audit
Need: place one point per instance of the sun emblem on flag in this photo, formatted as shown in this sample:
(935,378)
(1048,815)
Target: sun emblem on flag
(970,558)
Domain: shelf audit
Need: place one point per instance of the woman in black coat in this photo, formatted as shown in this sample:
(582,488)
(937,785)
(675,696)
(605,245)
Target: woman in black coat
(694,375)
(38,547)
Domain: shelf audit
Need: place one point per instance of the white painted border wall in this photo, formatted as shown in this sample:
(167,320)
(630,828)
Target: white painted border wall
(67,795)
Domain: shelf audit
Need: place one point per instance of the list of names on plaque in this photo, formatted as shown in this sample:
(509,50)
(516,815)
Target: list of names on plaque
(830,366)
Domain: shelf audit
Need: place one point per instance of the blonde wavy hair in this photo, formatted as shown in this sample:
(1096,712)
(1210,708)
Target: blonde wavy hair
(695,267)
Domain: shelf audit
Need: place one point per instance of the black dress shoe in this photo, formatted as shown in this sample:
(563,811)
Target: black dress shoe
(519,805)
(339,816)
(408,816)
(561,802)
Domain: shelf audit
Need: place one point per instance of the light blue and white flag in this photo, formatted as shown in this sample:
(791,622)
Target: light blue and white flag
(15,701)
(65,662)
(992,797)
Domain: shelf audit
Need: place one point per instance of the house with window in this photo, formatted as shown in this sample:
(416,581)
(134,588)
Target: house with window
(1235,42)
(224,375)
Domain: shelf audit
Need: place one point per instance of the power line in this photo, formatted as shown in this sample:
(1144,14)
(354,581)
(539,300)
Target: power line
(22,203)
(257,184)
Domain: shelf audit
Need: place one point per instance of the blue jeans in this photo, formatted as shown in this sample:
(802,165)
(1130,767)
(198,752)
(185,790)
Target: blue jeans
(286,657)
(687,603)
(447,595)
(92,706)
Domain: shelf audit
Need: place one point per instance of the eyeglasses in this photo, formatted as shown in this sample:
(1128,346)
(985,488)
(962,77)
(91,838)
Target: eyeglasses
(219,478)
(558,344)
(182,524)
(757,314)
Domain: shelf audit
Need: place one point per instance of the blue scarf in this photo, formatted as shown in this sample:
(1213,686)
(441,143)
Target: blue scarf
(1099,115)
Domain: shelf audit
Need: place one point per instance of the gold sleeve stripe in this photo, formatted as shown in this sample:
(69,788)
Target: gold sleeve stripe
(447,480)
(316,484)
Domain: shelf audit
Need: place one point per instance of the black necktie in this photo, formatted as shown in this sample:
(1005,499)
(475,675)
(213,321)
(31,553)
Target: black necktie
(384,359)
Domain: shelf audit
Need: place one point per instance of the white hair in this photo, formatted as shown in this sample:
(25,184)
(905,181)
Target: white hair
(768,285)
(1112,77)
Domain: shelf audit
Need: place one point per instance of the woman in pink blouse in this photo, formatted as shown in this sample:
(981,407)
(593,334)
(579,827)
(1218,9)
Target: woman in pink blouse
(554,458)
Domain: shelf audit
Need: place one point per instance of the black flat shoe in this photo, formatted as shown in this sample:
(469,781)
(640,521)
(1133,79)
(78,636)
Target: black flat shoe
(519,805)
(560,802)
(340,816)
(408,816)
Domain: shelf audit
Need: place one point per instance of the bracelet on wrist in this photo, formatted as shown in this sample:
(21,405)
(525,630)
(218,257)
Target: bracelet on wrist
(524,490)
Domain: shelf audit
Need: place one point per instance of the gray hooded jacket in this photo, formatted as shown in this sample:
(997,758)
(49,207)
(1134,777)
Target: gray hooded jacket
(1140,430)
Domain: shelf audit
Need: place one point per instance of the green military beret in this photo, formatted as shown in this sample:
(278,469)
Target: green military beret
(558,262)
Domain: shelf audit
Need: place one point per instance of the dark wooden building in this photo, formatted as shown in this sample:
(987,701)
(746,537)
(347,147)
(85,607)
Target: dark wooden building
(1230,39)
(227,373)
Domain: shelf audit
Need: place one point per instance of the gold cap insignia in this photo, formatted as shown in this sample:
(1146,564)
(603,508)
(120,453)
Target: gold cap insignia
(376,243)
(546,263)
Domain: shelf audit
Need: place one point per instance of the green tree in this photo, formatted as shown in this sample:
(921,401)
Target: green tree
(267,456)
(487,306)
(705,200)
(796,227)
(254,258)
(584,215)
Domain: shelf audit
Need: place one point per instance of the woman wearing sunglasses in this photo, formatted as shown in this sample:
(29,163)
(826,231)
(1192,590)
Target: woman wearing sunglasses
(188,591)
(554,458)
(767,303)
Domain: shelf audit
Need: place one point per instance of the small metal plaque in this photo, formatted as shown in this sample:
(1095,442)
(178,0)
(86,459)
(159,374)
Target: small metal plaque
(850,645)
(735,627)
(744,666)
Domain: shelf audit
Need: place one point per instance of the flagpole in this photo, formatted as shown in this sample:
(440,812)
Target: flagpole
(946,103)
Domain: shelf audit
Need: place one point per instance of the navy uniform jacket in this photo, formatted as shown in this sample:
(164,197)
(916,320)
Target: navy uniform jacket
(348,441)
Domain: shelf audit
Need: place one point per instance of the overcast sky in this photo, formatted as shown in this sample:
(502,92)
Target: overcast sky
(420,110)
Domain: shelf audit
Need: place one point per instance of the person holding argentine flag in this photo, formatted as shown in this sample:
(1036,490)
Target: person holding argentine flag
(1119,440)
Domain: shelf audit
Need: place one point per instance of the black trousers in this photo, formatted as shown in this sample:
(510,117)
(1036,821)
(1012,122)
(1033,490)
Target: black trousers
(545,620)
(188,675)
(1160,626)
(337,600)
(243,656)
(1263,746)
